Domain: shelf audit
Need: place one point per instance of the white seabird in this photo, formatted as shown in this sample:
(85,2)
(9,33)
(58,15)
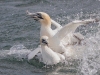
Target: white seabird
(56,36)
(49,56)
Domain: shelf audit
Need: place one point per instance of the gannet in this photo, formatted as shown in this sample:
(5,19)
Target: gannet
(56,37)
(49,56)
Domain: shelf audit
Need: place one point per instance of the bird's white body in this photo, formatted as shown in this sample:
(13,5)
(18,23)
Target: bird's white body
(49,56)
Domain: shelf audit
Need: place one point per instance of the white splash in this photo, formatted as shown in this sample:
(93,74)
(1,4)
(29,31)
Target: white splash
(19,51)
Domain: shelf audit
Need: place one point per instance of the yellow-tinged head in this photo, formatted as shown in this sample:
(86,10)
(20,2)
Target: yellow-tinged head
(43,17)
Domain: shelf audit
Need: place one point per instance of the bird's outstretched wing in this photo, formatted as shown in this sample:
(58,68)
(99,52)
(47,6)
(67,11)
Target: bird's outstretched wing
(33,53)
(71,27)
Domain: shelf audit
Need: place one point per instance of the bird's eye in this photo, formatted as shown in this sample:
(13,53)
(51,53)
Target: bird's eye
(39,15)
(43,40)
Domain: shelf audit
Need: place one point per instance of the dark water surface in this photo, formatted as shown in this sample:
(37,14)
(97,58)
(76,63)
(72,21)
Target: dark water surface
(16,28)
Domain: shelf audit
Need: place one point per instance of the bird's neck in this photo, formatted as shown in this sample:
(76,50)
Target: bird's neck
(46,31)
(44,48)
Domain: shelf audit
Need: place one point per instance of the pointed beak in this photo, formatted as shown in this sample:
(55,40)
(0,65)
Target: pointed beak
(32,15)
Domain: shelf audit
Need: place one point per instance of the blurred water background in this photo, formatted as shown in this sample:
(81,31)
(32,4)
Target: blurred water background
(19,34)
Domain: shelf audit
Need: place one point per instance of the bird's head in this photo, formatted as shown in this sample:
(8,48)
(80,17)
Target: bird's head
(43,17)
(44,40)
